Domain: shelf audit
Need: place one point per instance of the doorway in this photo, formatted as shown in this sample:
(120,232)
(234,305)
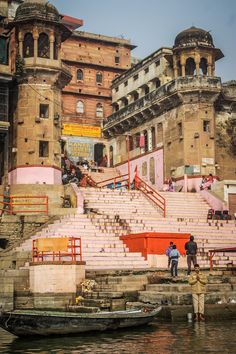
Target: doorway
(98,153)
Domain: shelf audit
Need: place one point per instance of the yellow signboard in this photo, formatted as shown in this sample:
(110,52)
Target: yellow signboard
(81,130)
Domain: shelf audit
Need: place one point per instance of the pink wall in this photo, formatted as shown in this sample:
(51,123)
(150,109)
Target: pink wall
(158,158)
(35,175)
(214,202)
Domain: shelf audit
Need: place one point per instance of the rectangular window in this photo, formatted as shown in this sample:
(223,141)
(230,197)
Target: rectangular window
(126,83)
(43,148)
(135,77)
(43,110)
(146,70)
(3,51)
(157,62)
(206,126)
(117,60)
(117,88)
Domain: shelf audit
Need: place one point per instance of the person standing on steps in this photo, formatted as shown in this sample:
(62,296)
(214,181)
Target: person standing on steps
(174,257)
(168,250)
(198,281)
(191,252)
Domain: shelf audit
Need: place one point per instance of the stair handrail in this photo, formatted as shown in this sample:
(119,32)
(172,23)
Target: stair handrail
(88,181)
(114,181)
(150,193)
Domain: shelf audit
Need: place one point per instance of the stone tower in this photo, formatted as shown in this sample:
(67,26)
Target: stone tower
(190,129)
(36,126)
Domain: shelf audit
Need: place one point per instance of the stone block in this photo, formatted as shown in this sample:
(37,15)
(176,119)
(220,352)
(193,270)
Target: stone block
(118,304)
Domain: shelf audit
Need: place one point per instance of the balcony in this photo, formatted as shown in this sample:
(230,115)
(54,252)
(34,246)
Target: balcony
(156,102)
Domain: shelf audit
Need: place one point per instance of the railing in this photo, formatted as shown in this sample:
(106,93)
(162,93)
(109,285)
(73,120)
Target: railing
(14,204)
(56,249)
(151,194)
(223,250)
(121,181)
(181,83)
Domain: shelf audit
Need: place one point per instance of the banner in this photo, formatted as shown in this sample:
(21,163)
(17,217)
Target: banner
(81,130)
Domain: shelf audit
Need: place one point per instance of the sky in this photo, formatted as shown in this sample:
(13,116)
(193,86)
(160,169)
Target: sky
(152,24)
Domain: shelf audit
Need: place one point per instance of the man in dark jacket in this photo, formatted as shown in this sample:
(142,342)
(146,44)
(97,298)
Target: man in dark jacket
(191,252)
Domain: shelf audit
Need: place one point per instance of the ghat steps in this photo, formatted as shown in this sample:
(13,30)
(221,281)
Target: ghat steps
(112,213)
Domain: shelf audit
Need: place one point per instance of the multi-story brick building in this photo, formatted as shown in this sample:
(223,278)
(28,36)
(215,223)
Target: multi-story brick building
(94,61)
(179,117)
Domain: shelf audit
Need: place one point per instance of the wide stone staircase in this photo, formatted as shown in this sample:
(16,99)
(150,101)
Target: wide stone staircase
(100,229)
(113,213)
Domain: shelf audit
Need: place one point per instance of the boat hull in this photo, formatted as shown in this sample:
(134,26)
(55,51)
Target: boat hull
(40,323)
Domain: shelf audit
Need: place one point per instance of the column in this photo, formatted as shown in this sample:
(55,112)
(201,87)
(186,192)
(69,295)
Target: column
(35,36)
(175,67)
(209,66)
(51,39)
(149,136)
(20,39)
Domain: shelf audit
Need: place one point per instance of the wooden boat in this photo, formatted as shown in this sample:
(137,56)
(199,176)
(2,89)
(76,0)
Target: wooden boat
(23,323)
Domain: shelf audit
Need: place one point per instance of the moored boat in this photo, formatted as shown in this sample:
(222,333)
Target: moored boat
(23,323)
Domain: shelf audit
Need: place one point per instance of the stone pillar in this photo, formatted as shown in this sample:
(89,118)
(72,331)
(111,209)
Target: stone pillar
(197,62)
(20,39)
(35,36)
(108,155)
(129,98)
(175,67)
(149,134)
(209,70)
(182,64)
(52,40)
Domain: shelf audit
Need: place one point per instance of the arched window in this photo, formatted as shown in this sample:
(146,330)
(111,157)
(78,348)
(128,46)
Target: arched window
(145,140)
(55,48)
(146,90)
(160,133)
(190,68)
(99,78)
(158,83)
(43,46)
(125,101)
(99,110)
(135,95)
(80,75)
(28,46)
(80,107)
(203,66)
(153,132)
(115,107)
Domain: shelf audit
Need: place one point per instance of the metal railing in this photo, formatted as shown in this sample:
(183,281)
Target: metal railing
(151,194)
(14,204)
(51,253)
(121,181)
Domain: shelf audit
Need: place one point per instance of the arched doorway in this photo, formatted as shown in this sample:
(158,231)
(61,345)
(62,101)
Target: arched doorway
(98,153)
(190,68)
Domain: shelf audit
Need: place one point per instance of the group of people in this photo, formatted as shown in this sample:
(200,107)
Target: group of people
(206,182)
(72,173)
(197,279)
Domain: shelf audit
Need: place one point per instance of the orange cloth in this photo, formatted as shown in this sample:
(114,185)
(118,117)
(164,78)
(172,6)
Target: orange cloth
(55,244)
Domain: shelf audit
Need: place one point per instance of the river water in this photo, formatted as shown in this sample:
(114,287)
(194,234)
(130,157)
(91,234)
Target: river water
(160,338)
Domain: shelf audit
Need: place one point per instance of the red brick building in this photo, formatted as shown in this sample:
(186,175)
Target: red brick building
(94,61)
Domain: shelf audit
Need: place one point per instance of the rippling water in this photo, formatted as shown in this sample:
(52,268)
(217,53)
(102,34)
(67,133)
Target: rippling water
(178,338)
